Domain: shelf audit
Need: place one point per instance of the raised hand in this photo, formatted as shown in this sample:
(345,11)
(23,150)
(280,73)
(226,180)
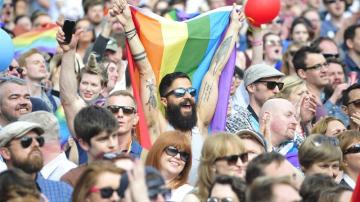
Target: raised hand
(265,129)
(307,107)
(121,10)
(60,37)
(355,117)
(237,17)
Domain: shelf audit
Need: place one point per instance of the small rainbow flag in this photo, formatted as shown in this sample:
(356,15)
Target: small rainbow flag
(43,39)
(188,47)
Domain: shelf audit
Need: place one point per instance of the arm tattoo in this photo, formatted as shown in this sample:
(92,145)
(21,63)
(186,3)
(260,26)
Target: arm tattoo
(207,92)
(130,34)
(139,56)
(152,100)
(223,49)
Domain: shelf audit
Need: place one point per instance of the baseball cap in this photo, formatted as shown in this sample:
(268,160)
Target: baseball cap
(254,134)
(18,129)
(46,119)
(258,71)
(112,45)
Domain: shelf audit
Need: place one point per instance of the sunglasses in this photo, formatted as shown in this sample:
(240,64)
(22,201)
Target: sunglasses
(353,150)
(105,192)
(18,69)
(172,151)
(127,110)
(216,199)
(232,159)
(273,43)
(355,102)
(166,193)
(27,141)
(329,55)
(322,139)
(9,5)
(318,66)
(180,92)
(332,1)
(271,85)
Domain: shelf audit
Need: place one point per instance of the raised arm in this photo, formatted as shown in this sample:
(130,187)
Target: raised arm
(148,88)
(257,46)
(71,101)
(208,95)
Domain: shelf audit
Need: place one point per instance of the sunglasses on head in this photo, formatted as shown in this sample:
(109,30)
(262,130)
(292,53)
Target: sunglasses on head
(355,102)
(216,199)
(322,139)
(125,109)
(173,151)
(166,193)
(271,85)
(105,192)
(232,159)
(180,92)
(353,150)
(27,141)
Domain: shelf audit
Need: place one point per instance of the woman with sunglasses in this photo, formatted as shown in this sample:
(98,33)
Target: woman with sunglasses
(222,154)
(171,155)
(99,183)
(320,154)
(350,146)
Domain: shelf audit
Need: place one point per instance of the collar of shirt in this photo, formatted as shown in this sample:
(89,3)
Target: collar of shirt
(349,181)
(52,165)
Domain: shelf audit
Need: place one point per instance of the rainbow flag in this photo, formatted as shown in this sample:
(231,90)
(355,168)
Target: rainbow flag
(179,15)
(188,47)
(43,39)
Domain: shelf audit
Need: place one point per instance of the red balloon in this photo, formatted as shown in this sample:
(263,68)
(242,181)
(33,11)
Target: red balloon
(261,11)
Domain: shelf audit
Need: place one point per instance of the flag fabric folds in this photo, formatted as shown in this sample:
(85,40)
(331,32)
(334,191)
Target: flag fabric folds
(188,47)
(43,39)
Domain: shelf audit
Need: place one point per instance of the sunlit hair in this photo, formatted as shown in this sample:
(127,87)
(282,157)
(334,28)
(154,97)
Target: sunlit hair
(89,178)
(321,126)
(292,48)
(94,68)
(181,142)
(319,148)
(346,139)
(215,146)
(291,84)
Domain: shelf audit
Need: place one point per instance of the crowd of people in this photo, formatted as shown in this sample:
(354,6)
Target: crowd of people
(68,121)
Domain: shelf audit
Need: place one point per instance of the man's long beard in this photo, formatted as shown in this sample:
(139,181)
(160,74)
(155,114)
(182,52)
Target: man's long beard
(180,121)
(32,164)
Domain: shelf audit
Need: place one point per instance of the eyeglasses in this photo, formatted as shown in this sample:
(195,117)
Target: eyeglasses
(322,139)
(216,199)
(180,92)
(271,85)
(273,43)
(318,66)
(166,193)
(332,1)
(353,150)
(232,160)
(9,5)
(105,192)
(355,102)
(329,55)
(127,110)
(172,151)
(27,141)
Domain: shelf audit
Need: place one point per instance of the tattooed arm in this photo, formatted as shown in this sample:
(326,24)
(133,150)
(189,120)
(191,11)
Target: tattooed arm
(148,88)
(208,95)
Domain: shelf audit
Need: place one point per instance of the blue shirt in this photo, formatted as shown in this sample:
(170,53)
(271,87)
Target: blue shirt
(351,66)
(336,111)
(55,191)
(135,149)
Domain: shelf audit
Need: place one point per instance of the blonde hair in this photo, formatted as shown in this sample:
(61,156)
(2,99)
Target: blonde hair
(321,126)
(319,148)
(215,146)
(291,84)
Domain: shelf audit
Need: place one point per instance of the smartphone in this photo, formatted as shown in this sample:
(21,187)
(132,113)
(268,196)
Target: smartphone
(69,29)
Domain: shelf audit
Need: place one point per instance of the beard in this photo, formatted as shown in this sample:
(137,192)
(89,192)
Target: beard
(32,163)
(178,120)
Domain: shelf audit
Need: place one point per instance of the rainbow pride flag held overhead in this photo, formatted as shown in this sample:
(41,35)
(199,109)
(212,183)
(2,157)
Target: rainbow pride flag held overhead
(43,39)
(189,47)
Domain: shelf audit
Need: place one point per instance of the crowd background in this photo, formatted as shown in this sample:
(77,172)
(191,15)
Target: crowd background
(69,117)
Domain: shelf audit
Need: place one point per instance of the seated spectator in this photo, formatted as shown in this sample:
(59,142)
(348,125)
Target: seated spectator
(329,126)
(254,143)
(320,154)
(350,146)
(313,16)
(313,185)
(222,154)
(272,189)
(301,31)
(272,50)
(335,194)
(171,155)
(227,188)
(351,105)
(336,11)
(100,181)
(352,57)
(15,185)
(287,64)
(272,164)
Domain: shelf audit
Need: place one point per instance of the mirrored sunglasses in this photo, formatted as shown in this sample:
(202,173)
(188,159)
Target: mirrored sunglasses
(173,151)
(127,110)
(216,199)
(180,92)
(353,150)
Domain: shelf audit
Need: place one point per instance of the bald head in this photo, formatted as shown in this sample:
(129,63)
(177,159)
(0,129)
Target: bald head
(274,105)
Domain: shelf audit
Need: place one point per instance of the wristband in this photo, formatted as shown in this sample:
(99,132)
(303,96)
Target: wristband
(257,43)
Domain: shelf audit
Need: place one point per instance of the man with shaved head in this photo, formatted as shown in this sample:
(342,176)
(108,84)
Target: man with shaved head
(278,120)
